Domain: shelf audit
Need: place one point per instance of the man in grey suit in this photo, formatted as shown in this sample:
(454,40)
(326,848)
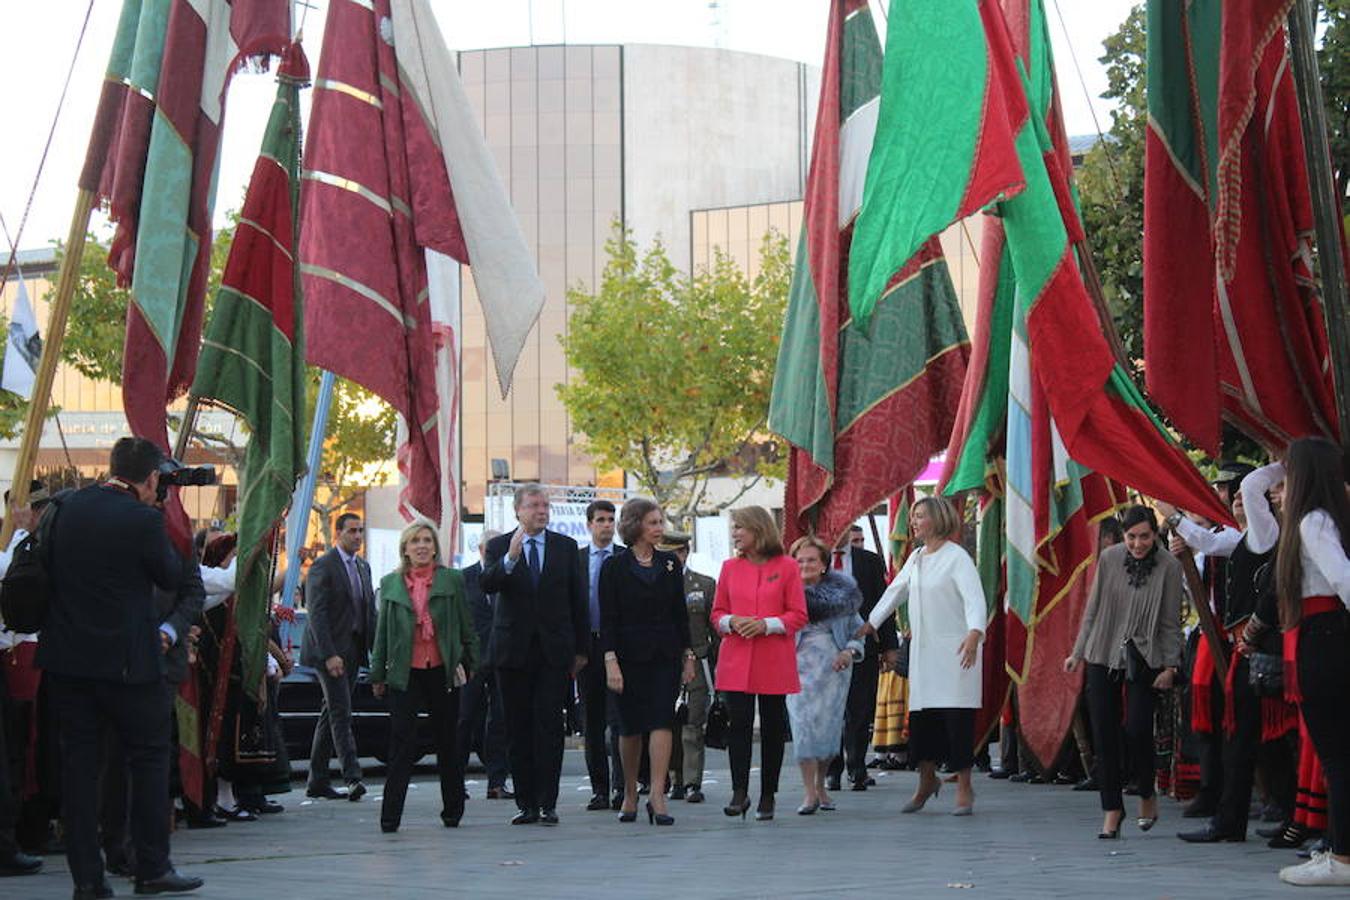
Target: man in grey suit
(338,637)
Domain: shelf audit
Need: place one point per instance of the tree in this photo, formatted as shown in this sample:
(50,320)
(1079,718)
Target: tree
(1333,61)
(673,372)
(357,451)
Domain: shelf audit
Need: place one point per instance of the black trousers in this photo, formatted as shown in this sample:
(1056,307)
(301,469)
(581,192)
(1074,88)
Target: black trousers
(1243,750)
(1212,766)
(427,689)
(139,715)
(9,794)
(773,725)
(602,758)
(1324,680)
(1104,700)
(533,699)
(859,711)
(482,727)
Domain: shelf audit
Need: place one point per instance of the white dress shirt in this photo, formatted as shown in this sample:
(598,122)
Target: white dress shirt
(218,584)
(1326,568)
(1263,529)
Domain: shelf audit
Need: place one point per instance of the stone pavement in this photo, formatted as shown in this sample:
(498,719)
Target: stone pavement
(1023,841)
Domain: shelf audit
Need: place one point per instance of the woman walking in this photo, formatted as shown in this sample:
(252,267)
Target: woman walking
(1312,578)
(946,618)
(1131,633)
(644,635)
(826,652)
(425,650)
(759,607)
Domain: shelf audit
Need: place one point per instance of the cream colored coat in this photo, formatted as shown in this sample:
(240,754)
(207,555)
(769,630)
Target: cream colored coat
(946,601)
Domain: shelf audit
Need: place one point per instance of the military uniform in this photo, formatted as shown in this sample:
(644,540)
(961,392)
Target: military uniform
(686,760)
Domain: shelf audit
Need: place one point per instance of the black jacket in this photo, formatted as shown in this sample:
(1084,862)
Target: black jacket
(480,607)
(642,620)
(869,570)
(181,609)
(109,552)
(331,627)
(555,613)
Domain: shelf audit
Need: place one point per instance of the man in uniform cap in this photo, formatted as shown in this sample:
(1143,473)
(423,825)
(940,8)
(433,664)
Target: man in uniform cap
(686,762)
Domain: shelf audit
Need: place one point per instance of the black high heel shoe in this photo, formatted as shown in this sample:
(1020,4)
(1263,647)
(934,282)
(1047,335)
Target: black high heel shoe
(739,805)
(656,818)
(1113,834)
(764,812)
(625,816)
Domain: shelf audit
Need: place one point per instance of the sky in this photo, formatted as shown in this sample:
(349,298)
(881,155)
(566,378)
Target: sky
(39,40)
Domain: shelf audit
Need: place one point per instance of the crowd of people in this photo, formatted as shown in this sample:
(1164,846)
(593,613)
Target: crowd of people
(801,641)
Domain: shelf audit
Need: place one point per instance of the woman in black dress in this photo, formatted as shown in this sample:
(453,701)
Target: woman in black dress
(644,634)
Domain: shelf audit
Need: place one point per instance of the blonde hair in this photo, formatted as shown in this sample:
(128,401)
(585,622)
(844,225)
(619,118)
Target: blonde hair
(946,520)
(811,540)
(408,533)
(757,521)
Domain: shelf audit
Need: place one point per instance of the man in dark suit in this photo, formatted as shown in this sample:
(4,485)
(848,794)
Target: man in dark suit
(103,654)
(481,724)
(869,571)
(602,756)
(339,634)
(539,634)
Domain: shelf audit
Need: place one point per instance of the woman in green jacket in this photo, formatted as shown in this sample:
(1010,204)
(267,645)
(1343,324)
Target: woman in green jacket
(425,650)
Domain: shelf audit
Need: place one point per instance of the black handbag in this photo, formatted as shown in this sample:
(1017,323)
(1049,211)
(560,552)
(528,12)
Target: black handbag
(719,723)
(1265,671)
(1136,667)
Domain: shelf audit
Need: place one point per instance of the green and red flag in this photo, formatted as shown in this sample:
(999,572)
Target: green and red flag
(1233,325)
(863,407)
(253,359)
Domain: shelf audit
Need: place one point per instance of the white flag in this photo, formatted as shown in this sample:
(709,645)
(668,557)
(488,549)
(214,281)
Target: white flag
(23,349)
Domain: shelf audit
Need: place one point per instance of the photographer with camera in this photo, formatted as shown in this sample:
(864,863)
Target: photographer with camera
(104,651)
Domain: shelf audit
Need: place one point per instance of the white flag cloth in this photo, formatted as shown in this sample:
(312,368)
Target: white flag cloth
(23,349)
(504,271)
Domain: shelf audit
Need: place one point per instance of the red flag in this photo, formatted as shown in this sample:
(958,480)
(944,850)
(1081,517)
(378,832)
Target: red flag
(1232,322)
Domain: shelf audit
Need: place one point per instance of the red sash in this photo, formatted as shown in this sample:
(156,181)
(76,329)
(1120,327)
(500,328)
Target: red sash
(1312,606)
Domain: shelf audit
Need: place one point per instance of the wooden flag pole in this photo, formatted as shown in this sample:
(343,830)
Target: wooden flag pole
(185,429)
(1208,626)
(51,354)
(1326,211)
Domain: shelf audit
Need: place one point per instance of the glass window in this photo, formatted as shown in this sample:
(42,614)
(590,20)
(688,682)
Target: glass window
(550,62)
(524,64)
(497,66)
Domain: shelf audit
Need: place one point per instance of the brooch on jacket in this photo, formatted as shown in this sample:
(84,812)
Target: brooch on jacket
(772,578)
(670,565)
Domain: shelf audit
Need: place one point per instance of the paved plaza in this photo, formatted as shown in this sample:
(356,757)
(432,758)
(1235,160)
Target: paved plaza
(1023,841)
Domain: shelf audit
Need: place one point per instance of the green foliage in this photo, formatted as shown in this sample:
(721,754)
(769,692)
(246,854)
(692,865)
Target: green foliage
(1111,184)
(673,373)
(13,408)
(1333,59)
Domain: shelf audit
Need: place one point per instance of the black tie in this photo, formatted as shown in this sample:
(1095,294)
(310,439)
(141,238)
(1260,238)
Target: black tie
(534,561)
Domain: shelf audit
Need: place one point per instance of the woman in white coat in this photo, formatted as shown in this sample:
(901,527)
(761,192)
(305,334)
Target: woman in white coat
(947,615)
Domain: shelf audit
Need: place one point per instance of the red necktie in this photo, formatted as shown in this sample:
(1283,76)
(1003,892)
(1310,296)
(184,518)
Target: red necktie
(839,559)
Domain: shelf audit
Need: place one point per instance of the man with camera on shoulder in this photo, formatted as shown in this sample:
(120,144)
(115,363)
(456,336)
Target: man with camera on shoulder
(104,652)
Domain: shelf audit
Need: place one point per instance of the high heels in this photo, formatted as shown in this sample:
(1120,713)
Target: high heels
(808,809)
(627,816)
(1146,822)
(764,811)
(1113,834)
(656,818)
(739,805)
(918,803)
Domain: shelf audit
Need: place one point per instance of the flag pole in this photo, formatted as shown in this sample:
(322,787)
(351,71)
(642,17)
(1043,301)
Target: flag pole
(51,354)
(297,520)
(1326,211)
(186,428)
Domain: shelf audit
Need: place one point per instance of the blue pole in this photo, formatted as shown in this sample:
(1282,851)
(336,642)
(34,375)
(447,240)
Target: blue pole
(297,520)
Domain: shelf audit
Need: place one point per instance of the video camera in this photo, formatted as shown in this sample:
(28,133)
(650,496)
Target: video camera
(173,473)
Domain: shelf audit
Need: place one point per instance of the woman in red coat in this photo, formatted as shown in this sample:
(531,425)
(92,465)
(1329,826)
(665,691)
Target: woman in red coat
(759,607)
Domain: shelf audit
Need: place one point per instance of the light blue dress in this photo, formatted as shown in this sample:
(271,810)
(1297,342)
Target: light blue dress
(817,712)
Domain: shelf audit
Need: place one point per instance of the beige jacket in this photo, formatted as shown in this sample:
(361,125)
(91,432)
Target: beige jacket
(1116,612)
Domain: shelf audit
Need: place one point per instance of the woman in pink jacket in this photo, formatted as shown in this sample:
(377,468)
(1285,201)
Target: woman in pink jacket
(759,607)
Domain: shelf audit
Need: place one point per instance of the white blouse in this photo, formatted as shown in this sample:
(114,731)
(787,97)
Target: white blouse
(946,602)
(1326,569)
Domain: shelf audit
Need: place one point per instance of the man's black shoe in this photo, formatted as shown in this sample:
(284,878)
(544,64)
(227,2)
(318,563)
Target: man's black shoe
(97,892)
(695,794)
(237,814)
(499,793)
(168,883)
(548,817)
(832,783)
(1087,784)
(1063,779)
(1020,777)
(120,867)
(525,817)
(19,863)
(859,784)
(263,807)
(677,792)
(355,791)
(326,792)
(616,801)
(450,821)
(1210,835)
(1000,774)
(1199,808)
(598,802)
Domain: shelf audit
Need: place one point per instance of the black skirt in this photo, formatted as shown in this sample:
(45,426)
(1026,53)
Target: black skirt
(650,689)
